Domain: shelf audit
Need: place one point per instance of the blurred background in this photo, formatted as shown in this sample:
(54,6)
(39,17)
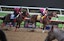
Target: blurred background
(36,3)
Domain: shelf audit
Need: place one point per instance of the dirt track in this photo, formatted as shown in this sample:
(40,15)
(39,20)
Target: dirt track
(24,35)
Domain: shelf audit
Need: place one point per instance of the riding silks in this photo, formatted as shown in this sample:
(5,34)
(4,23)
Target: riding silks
(43,17)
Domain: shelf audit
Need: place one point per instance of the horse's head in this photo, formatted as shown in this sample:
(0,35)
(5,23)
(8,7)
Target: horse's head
(50,36)
(52,33)
(54,14)
(51,14)
(25,14)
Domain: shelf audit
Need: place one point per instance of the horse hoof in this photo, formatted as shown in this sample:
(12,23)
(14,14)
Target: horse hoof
(43,31)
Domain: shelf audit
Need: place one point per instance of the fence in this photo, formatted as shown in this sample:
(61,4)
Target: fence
(31,10)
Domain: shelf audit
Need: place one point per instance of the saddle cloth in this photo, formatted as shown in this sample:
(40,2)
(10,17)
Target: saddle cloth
(40,17)
(12,16)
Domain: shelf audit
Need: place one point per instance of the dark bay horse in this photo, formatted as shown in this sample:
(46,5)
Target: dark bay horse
(55,33)
(45,20)
(31,20)
(19,19)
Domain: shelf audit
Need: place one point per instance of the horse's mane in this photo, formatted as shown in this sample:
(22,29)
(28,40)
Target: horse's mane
(50,14)
(24,13)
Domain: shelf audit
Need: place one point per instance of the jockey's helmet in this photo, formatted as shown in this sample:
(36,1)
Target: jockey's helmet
(42,9)
(17,10)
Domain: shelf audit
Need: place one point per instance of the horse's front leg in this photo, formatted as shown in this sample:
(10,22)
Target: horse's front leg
(17,26)
(44,26)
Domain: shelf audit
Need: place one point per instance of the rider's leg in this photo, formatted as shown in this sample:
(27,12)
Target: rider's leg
(43,28)
(13,22)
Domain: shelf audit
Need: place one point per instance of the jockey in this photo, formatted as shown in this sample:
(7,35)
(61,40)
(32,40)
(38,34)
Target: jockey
(17,11)
(41,11)
(44,12)
(15,14)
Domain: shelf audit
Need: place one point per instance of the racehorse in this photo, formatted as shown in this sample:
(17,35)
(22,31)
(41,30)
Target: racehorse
(2,36)
(55,33)
(33,21)
(18,20)
(46,19)
(30,20)
(21,18)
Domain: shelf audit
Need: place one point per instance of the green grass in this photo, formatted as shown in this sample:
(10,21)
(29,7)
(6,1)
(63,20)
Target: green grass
(37,23)
(3,14)
(59,18)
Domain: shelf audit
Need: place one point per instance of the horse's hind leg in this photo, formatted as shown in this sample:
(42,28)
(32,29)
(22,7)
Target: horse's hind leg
(33,26)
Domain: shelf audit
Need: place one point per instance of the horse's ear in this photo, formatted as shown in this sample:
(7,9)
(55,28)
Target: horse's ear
(52,28)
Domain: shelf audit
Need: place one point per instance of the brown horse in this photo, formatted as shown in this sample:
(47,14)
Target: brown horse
(45,20)
(31,20)
(19,19)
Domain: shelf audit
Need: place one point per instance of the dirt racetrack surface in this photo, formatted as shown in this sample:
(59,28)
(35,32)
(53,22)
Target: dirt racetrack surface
(25,35)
